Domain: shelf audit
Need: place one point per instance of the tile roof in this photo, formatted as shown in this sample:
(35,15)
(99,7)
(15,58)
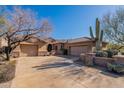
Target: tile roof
(81,39)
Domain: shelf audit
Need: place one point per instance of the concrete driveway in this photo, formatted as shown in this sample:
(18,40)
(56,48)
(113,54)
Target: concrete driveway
(54,72)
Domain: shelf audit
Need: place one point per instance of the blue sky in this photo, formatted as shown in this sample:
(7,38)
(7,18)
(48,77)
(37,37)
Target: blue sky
(71,21)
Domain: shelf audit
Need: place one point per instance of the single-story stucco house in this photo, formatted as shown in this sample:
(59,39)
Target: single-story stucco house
(38,47)
(76,46)
(33,47)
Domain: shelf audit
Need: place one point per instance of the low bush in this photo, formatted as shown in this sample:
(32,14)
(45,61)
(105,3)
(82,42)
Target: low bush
(7,71)
(106,53)
(115,67)
(110,53)
(98,54)
(101,54)
(115,52)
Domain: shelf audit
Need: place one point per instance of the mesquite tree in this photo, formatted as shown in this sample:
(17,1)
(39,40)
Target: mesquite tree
(21,25)
(113,24)
(2,21)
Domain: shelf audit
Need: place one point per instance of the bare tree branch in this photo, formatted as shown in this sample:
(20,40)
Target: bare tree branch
(113,25)
(21,25)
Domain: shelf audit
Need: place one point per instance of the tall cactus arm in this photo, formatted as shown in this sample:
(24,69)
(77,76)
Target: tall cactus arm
(97,28)
(101,36)
(91,33)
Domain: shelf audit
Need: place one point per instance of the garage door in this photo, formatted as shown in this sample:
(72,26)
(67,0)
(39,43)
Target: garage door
(29,50)
(77,50)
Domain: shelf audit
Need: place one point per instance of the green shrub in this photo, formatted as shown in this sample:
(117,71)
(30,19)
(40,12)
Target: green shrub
(115,52)
(101,54)
(65,52)
(110,53)
(115,67)
(106,53)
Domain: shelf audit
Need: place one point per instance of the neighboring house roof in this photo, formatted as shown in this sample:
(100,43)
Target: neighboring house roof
(32,40)
(36,39)
(81,39)
(54,41)
(49,39)
(77,40)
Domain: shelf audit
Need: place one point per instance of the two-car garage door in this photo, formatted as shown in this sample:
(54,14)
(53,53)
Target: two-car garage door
(29,50)
(77,50)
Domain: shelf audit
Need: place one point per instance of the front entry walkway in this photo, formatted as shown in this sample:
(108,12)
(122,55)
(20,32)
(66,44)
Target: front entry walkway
(53,72)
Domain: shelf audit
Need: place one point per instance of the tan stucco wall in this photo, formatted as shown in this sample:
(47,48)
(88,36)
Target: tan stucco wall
(68,45)
(81,44)
(87,45)
(42,47)
(58,51)
(16,52)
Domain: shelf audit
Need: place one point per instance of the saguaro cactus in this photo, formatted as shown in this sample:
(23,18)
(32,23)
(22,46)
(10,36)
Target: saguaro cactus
(98,35)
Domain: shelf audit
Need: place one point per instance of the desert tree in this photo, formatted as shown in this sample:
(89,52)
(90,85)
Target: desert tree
(113,25)
(21,25)
(2,21)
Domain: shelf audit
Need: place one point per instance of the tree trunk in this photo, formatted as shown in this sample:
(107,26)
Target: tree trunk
(8,51)
(7,56)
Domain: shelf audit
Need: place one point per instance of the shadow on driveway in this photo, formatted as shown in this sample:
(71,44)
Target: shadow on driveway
(69,69)
(74,68)
(52,65)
